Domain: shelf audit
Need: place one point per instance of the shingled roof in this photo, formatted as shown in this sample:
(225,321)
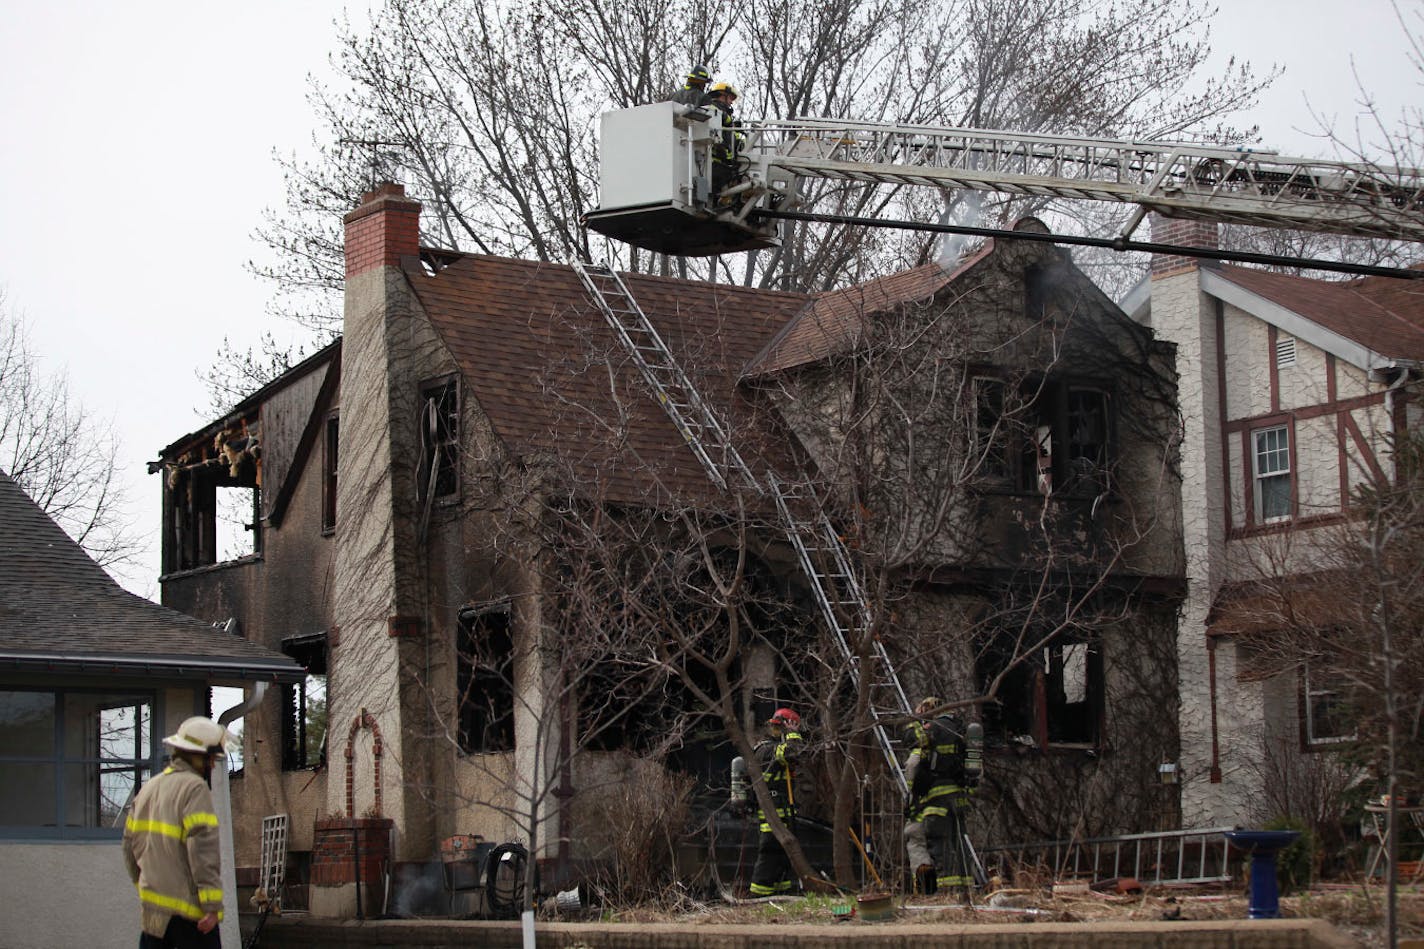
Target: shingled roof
(536,353)
(832,322)
(1383,314)
(60,612)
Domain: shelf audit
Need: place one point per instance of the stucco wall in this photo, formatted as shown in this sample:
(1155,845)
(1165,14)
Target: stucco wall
(66,894)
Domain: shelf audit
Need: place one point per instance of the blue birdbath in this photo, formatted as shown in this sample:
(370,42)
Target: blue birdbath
(1263,845)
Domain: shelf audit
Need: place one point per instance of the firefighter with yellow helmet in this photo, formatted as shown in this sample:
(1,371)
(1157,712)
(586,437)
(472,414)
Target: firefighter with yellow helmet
(942,770)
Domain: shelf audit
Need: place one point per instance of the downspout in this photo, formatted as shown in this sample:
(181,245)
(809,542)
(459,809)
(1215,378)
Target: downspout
(1215,776)
(222,800)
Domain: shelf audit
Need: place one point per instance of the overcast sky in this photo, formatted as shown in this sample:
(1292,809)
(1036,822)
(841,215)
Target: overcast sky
(136,163)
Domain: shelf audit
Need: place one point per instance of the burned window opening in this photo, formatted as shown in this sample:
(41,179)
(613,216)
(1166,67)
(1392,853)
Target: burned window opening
(484,681)
(1045,437)
(330,456)
(304,705)
(1053,695)
(439,440)
(213,502)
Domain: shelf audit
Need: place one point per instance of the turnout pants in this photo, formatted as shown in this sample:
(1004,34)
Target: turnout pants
(772,873)
(935,838)
(182,934)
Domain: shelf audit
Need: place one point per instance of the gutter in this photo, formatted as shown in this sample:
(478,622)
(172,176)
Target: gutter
(260,671)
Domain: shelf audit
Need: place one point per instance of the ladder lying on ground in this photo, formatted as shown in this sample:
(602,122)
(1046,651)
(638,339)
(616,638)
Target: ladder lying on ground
(1173,856)
(819,549)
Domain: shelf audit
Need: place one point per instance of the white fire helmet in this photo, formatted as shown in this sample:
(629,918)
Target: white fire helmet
(201,736)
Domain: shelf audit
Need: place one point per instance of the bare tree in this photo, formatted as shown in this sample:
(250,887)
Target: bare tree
(1353,622)
(489,111)
(61,454)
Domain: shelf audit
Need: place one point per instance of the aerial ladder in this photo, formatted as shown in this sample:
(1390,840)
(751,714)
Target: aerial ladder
(668,205)
(655,193)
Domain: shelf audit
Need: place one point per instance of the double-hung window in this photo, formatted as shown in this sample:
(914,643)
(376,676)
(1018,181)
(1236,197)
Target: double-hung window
(1271,465)
(1324,715)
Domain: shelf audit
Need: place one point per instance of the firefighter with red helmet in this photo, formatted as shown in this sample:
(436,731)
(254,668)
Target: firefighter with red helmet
(777,757)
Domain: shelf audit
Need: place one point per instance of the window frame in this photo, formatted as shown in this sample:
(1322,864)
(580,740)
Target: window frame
(1260,478)
(1306,696)
(1038,446)
(311,651)
(474,677)
(63,761)
(1028,693)
(331,443)
(443,396)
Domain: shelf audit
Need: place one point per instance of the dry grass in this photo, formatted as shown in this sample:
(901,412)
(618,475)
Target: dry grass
(1357,910)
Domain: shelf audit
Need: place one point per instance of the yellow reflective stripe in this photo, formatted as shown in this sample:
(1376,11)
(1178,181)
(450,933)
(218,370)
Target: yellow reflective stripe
(199,819)
(209,895)
(181,907)
(155,827)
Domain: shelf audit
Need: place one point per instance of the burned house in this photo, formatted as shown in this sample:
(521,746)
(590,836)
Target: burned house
(530,605)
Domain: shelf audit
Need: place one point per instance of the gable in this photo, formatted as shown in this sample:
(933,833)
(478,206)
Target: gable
(554,381)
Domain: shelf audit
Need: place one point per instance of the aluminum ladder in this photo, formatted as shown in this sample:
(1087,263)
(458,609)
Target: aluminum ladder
(1178,179)
(841,600)
(822,554)
(1164,857)
(696,423)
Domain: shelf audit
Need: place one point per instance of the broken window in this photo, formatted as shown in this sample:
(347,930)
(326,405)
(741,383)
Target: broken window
(1271,465)
(624,705)
(212,501)
(1044,437)
(304,705)
(990,447)
(1052,694)
(1325,716)
(328,480)
(439,440)
(484,680)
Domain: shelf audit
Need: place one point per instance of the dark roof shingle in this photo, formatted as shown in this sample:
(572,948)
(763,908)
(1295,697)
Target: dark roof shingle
(551,377)
(59,609)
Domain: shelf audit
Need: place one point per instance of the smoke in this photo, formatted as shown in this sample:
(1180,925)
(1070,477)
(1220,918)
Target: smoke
(963,208)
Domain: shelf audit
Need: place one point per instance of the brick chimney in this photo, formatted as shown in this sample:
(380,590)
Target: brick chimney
(385,228)
(1182,232)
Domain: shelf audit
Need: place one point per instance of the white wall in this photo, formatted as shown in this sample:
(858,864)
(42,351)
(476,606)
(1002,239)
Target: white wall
(66,894)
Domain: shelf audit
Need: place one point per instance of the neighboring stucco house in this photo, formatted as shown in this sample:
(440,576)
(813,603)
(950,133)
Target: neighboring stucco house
(413,487)
(1290,390)
(91,679)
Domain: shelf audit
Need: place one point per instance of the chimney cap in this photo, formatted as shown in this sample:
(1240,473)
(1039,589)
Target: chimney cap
(386,189)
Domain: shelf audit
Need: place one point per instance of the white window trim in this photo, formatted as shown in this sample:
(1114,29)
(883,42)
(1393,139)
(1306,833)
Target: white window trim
(1258,477)
(1308,724)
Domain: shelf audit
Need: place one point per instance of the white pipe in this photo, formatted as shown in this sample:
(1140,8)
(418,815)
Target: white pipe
(222,800)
